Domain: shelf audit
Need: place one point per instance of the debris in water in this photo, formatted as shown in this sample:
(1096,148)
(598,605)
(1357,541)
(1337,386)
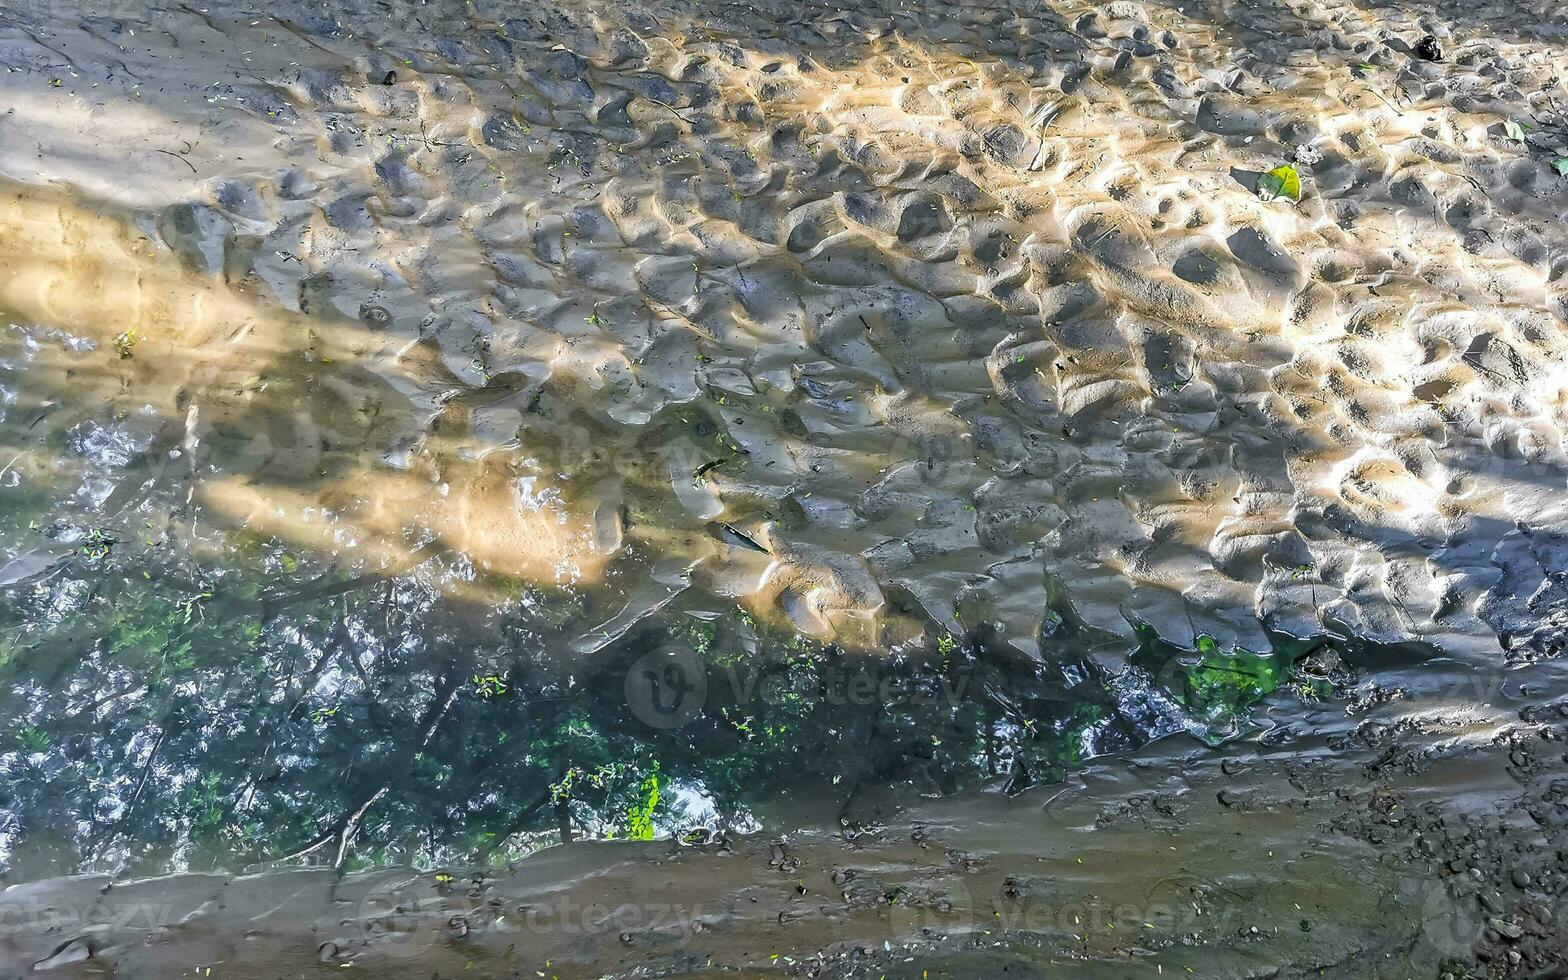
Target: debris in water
(737,537)
(375,317)
(125,343)
(1282,181)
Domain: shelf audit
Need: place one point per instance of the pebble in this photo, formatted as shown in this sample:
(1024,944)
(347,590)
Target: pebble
(1505,928)
(375,317)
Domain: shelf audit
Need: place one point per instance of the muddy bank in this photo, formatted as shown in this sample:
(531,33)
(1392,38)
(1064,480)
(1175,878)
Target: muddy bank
(1411,849)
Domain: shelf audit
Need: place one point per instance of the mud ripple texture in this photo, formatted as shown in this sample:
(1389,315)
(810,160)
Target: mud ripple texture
(869,318)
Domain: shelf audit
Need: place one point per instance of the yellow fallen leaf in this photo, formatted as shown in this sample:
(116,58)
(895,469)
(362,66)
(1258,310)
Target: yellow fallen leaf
(1282,181)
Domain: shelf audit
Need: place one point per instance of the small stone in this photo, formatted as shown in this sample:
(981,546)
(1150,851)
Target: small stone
(390,78)
(1428,49)
(1521,878)
(1505,928)
(375,317)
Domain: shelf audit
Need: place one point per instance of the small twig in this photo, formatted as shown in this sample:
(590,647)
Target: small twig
(669,107)
(1115,226)
(176,156)
(1397,110)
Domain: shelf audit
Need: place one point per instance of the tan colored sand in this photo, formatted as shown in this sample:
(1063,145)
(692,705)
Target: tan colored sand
(285,401)
(981,308)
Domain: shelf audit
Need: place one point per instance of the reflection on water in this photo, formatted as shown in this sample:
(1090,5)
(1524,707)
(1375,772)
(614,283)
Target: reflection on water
(197,698)
(189,715)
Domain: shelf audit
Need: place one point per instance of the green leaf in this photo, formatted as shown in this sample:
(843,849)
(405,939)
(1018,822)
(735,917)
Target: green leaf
(1561,166)
(1282,181)
(1514,130)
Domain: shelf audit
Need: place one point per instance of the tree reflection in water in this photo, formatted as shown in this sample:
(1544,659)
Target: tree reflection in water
(174,715)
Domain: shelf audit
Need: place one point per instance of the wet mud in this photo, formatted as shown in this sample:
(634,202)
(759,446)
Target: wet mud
(852,490)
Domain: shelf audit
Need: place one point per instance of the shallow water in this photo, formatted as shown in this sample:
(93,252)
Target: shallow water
(429,432)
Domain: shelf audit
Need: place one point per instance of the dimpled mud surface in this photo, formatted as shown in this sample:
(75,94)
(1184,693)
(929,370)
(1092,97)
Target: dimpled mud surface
(958,314)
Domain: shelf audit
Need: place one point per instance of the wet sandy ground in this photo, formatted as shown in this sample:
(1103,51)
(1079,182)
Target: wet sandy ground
(885,324)
(968,320)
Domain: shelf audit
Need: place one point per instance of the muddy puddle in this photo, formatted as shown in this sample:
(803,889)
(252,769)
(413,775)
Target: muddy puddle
(865,490)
